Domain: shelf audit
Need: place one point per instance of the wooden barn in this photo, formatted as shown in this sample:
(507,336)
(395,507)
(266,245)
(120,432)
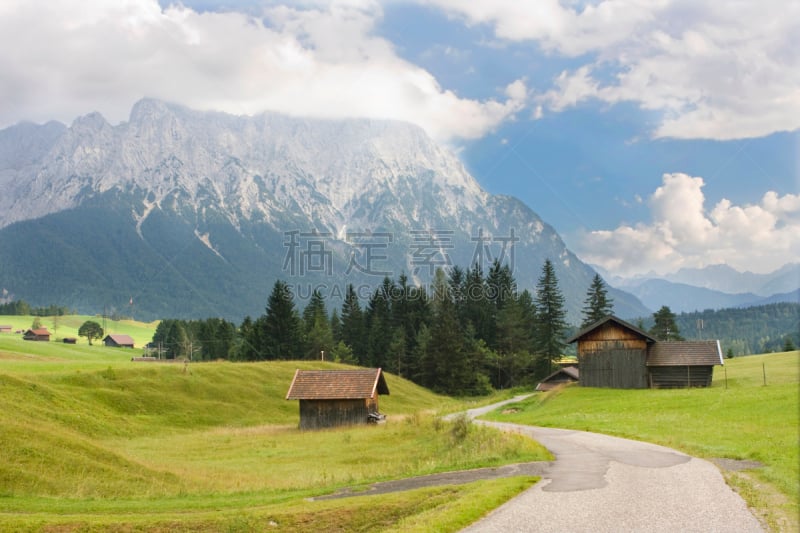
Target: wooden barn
(613,353)
(331,398)
(118,341)
(39,334)
(562,376)
(5,329)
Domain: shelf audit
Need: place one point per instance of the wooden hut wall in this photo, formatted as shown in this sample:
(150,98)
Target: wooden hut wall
(678,377)
(315,414)
(613,356)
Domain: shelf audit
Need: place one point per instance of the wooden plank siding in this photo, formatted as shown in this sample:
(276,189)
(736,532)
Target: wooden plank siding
(320,414)
(679,377)
(613,356)
(618,368)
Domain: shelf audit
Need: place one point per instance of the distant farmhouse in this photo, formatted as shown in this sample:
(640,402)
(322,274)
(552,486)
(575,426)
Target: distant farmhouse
(5,329)
(613,353)
(330,398)
(38,334)
(118,341)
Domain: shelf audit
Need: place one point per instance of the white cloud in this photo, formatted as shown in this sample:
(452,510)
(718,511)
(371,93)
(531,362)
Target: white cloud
(64,59)
(715,70)
(758,237)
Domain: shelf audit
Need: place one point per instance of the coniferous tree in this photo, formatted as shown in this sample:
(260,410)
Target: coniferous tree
(353,330)
(248,342)
(425,370)
(665,328)
(177,342)
(788,344)
(281,334)
(597,304)
(456,279)
(318,332)
(550,317)
(445,346)
(314,309)
(501,285)
(477,309)
(378,320)
(527,309)
(336,326)
(409,312)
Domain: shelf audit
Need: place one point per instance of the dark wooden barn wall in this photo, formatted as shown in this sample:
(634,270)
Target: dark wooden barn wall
(316,414)
(677,377)
(618,368)
(613,356)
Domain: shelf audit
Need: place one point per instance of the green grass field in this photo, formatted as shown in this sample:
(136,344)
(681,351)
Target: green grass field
(93,441)
(67,326)
(737,418)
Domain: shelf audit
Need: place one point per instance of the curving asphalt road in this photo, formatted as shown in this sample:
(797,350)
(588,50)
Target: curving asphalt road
(600,483)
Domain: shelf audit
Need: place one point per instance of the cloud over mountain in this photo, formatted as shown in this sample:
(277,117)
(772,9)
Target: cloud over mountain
(683,233)
(321,61)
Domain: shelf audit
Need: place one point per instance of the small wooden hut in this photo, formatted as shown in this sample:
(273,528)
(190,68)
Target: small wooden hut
(330,398)
(562,376)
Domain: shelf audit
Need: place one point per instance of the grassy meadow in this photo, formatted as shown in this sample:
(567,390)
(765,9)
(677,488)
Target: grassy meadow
(91,441)
(67,326)
(737,418)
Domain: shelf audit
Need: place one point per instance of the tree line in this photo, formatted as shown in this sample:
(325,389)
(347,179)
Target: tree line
(22,308)
(467,333)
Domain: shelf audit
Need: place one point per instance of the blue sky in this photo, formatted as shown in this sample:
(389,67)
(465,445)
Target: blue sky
(651,135)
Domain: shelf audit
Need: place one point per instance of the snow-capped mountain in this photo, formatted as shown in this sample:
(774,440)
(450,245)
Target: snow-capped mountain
(195,213)
(334,172)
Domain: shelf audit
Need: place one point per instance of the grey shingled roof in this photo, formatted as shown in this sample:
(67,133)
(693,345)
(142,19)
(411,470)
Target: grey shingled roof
(337,384)
(684,353)
(569,371)
(610,318)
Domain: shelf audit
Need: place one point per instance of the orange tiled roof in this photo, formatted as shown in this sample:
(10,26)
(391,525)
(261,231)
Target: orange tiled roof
(337,384)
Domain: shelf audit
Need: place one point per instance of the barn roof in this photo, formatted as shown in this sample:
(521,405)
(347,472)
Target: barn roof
(337,384)
(38,331)
(571,373)
(603,321)
(685,353)
(118,338)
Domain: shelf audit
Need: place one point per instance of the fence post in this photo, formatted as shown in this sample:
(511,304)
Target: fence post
(764,372)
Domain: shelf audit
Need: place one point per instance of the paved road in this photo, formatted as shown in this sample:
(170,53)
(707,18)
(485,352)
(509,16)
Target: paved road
(600,483)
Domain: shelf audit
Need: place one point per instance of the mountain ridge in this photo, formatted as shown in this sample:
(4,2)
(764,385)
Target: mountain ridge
(246,198)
